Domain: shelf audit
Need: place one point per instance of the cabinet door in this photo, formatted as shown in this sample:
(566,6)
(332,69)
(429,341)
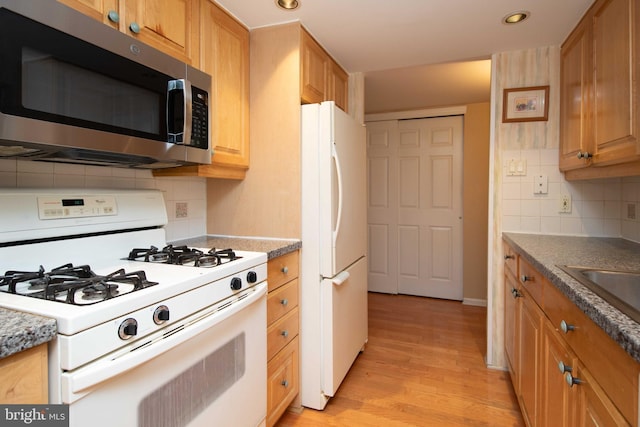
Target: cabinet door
(512,295)
(168,25)
(106,11)
(530,347)
(313,70)
(338,86)
(558,399)
(225,55)
(594,407)
(614,85)
(575,97)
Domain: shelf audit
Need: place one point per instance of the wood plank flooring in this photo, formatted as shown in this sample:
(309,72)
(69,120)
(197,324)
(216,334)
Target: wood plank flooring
(423,366)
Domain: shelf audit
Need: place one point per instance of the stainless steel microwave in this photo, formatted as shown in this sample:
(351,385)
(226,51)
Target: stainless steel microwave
(77,91)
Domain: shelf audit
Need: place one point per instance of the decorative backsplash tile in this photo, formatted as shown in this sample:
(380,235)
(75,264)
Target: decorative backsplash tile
(184,194)
(598,207)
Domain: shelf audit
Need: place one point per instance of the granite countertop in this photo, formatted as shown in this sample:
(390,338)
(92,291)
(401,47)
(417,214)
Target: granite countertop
(273,247)
(20,331)
(545,252)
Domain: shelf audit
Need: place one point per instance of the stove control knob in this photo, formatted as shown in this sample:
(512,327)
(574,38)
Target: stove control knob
(252,277)
(161,315)
(236,283)
(128,328)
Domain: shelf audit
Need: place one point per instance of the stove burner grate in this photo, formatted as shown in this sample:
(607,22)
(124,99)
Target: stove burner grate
(183,255)
(73,285)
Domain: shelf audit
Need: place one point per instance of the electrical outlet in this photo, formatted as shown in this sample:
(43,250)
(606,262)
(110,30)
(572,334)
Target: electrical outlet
(565,203)
(182,209)
(630,211)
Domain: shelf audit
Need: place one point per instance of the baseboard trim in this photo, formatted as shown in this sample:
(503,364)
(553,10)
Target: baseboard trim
(474,301)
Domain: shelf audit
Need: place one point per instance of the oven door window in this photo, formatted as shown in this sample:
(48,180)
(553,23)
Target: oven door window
(49,75)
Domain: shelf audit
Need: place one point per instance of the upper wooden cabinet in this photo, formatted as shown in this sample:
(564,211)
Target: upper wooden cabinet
(224,54)
(168,25)
(322,79)
(599,93)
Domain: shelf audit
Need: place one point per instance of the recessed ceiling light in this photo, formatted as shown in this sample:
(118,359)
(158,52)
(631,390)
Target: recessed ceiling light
(287,4)
(515,17)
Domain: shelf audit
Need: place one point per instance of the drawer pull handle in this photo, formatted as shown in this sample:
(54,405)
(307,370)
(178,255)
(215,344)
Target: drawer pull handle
(135,28)
(284,301)
(571,380)
(516,293)
(565,327)
(113,16)
(564,368)
(284,333)
(524,278)
(506,257)
(285,383)
(285,269)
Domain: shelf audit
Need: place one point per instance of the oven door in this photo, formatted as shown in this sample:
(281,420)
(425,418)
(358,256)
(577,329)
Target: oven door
(210,370)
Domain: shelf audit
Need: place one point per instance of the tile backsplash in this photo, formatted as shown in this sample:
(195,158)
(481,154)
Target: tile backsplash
(602,208)
(185,197)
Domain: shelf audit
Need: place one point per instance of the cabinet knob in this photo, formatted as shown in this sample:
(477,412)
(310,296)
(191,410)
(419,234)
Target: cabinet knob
(284,333)
(571,380)
(516,293)
(113,16)
(506,257)
(565,327)
(564,368)
(285,269)
(135,28)
(525,278)
(585,155)
(285,383)
(284,301)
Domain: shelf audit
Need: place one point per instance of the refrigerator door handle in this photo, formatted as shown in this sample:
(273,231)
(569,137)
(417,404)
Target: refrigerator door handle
(334,155)
(341,278)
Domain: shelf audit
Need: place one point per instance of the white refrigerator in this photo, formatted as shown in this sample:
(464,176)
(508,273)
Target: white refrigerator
(333,274)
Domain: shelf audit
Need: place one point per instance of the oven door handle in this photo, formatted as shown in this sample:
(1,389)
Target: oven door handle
(75,384)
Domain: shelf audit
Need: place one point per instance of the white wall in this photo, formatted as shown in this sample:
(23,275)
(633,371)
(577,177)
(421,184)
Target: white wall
(192,191)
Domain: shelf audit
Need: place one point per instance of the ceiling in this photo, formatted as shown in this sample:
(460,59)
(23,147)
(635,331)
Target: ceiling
(419,53)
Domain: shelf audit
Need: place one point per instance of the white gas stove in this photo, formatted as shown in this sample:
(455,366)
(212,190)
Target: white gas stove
(97,261)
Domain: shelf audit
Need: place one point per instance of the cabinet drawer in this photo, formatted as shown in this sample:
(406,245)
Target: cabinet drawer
(530,280)
(282,269)
(510,259)
(282,381)
(281,301)
(611,367)
(282,332)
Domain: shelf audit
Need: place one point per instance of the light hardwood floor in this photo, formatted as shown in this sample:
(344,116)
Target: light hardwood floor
(423,366)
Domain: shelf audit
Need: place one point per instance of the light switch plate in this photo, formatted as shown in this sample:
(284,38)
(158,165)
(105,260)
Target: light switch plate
(517,167)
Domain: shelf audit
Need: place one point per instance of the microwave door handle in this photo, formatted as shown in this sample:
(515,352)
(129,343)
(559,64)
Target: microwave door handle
(179,132)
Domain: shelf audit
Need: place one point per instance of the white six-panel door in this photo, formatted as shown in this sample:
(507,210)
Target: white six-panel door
(415,206)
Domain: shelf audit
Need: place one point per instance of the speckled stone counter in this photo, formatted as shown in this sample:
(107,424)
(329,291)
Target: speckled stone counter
(20,331)
(545,252)
(273,247)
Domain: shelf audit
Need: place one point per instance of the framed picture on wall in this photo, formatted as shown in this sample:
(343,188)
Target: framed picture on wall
(525,104)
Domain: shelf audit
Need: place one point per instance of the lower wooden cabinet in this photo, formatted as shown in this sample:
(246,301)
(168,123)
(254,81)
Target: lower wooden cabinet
(23,377)
(565,370)
(283,383)
(530,348)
